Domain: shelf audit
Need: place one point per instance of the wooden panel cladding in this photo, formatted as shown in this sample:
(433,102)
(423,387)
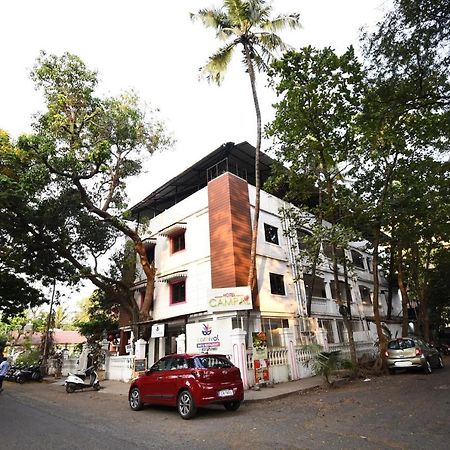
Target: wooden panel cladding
(229,231)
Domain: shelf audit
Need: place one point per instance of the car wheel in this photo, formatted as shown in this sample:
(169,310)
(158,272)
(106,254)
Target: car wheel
(440,362)
(232,406)
(186,406)
(70,388)
(427,367)
(135,400)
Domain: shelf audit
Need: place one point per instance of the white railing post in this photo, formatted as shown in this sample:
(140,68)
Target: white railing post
(239,353)
(288,340)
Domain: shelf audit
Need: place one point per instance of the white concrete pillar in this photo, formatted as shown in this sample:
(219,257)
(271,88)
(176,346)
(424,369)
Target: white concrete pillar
(162,347)
(181,343)
(322,339)
(288,341)
(151,352)
(239,353)
(140,349)
(82,360)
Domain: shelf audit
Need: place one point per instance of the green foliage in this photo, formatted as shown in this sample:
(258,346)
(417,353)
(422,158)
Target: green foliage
(29,357)
(438,291)
(247,24)
(327,363)
(98,316)
(63,187)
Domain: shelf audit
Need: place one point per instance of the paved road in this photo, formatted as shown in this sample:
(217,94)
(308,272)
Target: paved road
(408,410)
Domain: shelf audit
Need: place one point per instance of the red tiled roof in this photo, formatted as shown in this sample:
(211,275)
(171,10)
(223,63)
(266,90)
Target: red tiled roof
(60,337)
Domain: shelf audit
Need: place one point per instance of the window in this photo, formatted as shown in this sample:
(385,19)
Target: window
(358,259)
(365,294)
(162,364)
(180,363)
(177,242)
(271,233)
(213,362)
(150,252)
(272,327)
(319,286)
(369,262)
(343,288)
(178,292)
(342,335)
(277,284)
(327,325)
(304,240)
(328,251)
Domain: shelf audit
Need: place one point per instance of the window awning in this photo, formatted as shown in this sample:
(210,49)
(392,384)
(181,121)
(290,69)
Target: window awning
(150,242)
(179,275)
(173,229)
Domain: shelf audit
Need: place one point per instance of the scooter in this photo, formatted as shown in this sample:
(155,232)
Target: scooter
(33,372)
(87,379)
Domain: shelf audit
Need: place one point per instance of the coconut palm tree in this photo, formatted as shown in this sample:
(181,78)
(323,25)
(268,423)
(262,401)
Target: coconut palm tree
(246,24)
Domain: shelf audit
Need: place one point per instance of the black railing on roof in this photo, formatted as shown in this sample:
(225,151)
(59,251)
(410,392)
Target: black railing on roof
(224,166)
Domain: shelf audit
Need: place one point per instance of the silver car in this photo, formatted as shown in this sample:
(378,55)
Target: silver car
(411,352)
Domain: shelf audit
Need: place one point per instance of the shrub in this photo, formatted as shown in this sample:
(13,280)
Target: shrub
(327,363)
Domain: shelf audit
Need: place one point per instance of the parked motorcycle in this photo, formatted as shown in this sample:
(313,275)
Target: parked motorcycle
(443,348)
(87,379)
(27,373)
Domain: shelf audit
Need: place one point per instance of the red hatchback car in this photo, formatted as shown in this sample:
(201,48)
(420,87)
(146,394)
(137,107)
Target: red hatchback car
(188,382)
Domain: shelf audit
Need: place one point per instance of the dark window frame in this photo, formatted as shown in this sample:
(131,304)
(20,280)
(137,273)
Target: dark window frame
(357,259)
(177,242)
(271,234)
(367,300)
(277,286)
(175,285)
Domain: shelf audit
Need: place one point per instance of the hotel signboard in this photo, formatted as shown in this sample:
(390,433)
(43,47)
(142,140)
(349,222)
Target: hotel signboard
(229,299)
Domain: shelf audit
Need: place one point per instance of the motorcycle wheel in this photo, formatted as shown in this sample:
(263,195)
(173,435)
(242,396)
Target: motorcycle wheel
(96,387)
(70,388)
(37,376)
(20,379)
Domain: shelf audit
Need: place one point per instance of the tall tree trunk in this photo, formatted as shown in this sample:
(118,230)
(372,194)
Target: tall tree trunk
(382,341)
(348,292)
(343,309)
(252,275)
(314,267)
(309,295)
(345,313)
(403,291)
(424,297)
(390,281)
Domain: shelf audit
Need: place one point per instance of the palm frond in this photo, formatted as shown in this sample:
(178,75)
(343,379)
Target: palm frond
(211,18)
(281,22)
(261,57)
(237,11)
(271,41)
(258,11)
(217,19)
(214,70)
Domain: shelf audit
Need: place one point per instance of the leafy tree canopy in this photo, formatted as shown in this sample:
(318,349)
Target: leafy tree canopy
(63,187)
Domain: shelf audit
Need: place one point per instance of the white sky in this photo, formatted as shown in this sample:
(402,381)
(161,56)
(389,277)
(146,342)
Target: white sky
(152,46)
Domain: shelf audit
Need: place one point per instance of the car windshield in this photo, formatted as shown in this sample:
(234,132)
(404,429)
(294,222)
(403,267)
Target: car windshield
(212,362)
(401,344)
